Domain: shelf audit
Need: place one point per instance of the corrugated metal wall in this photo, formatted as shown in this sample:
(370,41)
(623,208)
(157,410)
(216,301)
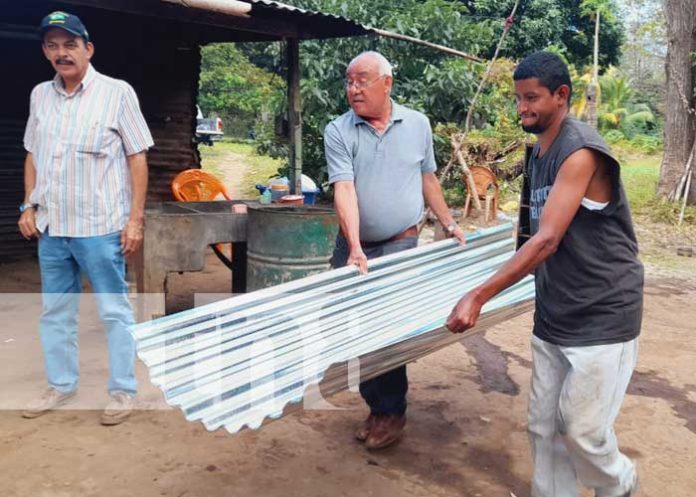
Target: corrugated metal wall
(11,185)
(167,88)
(155,58)
(24,66)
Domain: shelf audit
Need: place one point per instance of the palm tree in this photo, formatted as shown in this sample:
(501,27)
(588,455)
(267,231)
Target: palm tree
(618,110)
(595,9)
(580,84)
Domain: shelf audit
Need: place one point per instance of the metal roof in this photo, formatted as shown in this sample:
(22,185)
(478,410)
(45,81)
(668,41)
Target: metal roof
(241,361)
(312,23)
(267,20)
(261,6)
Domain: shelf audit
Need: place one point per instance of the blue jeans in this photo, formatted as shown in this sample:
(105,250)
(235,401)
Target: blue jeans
(386,393)
(62,260)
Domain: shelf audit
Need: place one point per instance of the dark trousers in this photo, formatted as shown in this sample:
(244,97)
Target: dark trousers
(386,393)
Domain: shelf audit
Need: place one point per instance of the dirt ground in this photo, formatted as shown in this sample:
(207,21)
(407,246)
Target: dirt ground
(465,436)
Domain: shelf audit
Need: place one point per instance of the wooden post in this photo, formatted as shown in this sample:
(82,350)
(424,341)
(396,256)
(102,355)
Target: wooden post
(292,52)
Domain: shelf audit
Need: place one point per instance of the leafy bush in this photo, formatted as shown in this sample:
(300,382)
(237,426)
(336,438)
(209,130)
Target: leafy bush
(614,136)
(639,123)
(638,145)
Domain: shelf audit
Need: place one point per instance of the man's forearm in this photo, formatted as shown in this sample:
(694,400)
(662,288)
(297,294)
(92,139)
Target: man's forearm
(537,249)
(29,177)
(346,203)
(139,176)
(432,192)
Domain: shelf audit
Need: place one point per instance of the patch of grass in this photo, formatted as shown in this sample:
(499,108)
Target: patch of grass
(259,168)
(210,156)
(638,147)
(640,177)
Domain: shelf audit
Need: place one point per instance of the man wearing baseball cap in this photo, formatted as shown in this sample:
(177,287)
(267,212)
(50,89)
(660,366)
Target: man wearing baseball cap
(85,179)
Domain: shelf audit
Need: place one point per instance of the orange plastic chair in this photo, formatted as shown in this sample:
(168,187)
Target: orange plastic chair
(195,185)
(487,189)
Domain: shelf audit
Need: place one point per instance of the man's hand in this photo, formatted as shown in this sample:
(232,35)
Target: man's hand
(458,233)
(465,313)
(27,224)
(358,258)
(131,237)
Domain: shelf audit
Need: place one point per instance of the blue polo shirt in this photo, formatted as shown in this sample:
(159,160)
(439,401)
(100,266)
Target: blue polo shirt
(387,169)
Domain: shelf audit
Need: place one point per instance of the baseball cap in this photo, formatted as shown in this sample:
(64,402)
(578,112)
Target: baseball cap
(63,20)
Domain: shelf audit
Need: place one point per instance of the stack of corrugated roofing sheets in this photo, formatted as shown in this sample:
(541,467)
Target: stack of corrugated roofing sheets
(240,361)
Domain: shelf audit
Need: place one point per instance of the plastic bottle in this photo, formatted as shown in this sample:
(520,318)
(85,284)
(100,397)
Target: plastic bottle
(265,197)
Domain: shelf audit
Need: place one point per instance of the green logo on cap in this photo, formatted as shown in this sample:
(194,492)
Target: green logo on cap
(58,16)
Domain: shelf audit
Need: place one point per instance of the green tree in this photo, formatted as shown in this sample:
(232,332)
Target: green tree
(643,59)
(680,105)
(596,10)
(432,82)
(544,23)
(231,87)
(437,84)
(616,97)
(620,110)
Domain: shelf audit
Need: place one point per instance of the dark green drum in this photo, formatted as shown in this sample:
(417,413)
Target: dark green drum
(285,243)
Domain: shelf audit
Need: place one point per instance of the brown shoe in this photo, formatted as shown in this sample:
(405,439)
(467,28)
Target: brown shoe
(118,410)
(50,399)
(365,427)
(386,431)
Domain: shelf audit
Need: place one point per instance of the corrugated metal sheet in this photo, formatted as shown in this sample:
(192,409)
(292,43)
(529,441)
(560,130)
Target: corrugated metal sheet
(241,361)
(312,24)
(168,99)
(268,20)
(24,66)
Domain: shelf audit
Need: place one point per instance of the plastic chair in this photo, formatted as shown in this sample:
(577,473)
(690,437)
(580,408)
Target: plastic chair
(195,185)
(487,189)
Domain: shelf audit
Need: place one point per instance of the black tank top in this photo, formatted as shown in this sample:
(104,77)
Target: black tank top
(590,292)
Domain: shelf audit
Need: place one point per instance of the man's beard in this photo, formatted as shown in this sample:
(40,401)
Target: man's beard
(535,129)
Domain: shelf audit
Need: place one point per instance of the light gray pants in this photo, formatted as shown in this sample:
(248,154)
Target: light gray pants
(575,397)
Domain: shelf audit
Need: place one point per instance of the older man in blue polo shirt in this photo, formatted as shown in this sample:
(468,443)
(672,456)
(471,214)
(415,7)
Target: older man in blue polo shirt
(382,167)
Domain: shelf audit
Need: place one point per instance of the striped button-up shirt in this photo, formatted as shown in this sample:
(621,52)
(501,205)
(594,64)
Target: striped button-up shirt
(79,143)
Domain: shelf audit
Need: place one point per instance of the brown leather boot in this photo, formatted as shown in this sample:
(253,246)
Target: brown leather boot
(386,431)
(365,427)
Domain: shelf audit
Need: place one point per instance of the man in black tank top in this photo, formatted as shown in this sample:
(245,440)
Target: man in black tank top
(589,292)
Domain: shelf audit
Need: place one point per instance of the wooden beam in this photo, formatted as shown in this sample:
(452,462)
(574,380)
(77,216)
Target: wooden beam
(170,11)
(230,7)
(417,41)
(292,53)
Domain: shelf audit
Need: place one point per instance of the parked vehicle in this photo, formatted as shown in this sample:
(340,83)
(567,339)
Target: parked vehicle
(208,130)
